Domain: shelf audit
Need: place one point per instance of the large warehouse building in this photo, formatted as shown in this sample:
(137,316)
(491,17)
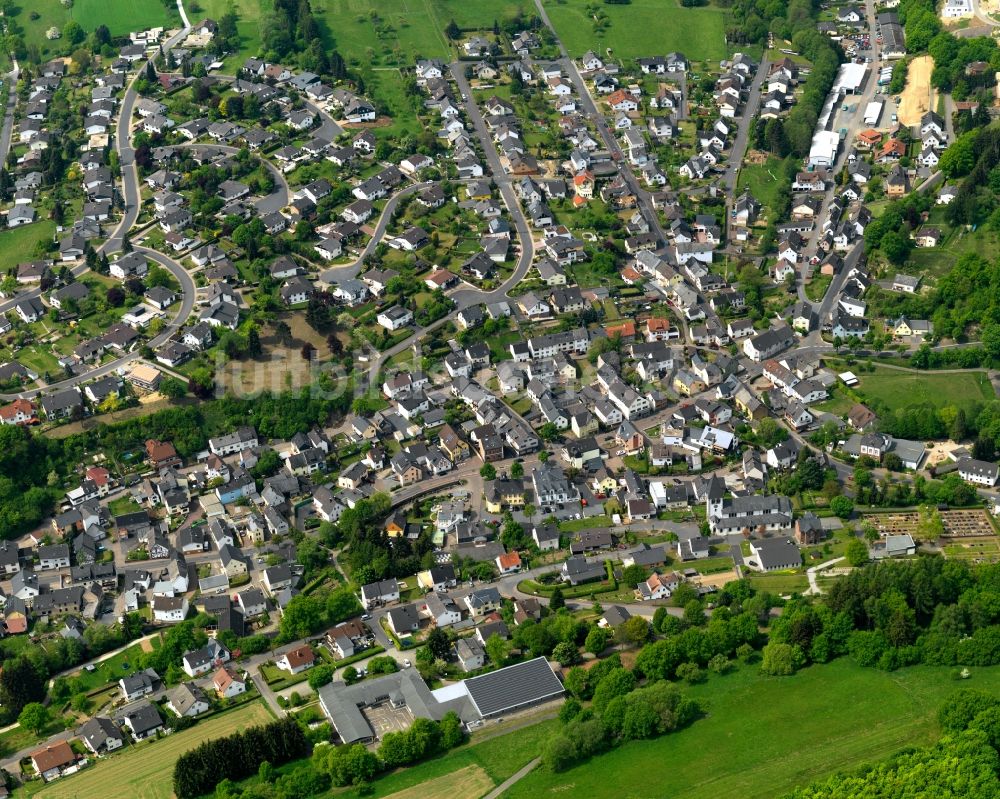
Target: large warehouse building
(823,151)
(365,711)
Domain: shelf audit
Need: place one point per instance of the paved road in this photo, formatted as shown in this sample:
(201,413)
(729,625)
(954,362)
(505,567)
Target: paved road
(8,120)
(328,128)
(515,777)
(274,201)
(465,297)
(982,16)
(187,305)
(643,197)
(347,271)
(743,131)
(811,574)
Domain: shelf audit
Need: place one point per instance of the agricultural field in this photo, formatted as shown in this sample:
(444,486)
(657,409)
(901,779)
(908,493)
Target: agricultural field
(860,715)
(470,782)
(640,28)
(146,771)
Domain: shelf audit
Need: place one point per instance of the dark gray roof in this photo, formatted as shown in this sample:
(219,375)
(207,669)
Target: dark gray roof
(514,687)
(144,717)
(98,729)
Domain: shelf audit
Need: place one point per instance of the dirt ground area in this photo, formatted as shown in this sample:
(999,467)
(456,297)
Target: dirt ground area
(717,580)
(281,366)
(144,408)
(939,451)
(918,96)
(146,645)
(470,782)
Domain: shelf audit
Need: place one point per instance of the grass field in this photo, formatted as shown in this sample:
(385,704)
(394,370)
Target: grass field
(113,669)
(387,33)
(902,389)
(762,736)
(641,28)
(18,244)
(781,582)
(247,24)
(470,782)
(817,286)
(146,771)
(763,180)
(121,16)
(932,263)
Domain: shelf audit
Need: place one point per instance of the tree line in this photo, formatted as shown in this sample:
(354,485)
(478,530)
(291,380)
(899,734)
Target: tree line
(237,756)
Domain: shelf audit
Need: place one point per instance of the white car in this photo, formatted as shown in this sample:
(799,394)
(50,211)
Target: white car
(406,664)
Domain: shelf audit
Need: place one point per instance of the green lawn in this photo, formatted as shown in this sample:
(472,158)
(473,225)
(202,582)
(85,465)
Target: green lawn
(123,505)
(112,669)
(247,24)
(780,582)
(762,736)
(838,404)
(901,389)
(817,286)
(641,28)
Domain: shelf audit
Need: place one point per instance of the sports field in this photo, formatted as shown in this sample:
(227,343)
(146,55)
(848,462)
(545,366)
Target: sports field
(762,736)
(146,771)
(640,28)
